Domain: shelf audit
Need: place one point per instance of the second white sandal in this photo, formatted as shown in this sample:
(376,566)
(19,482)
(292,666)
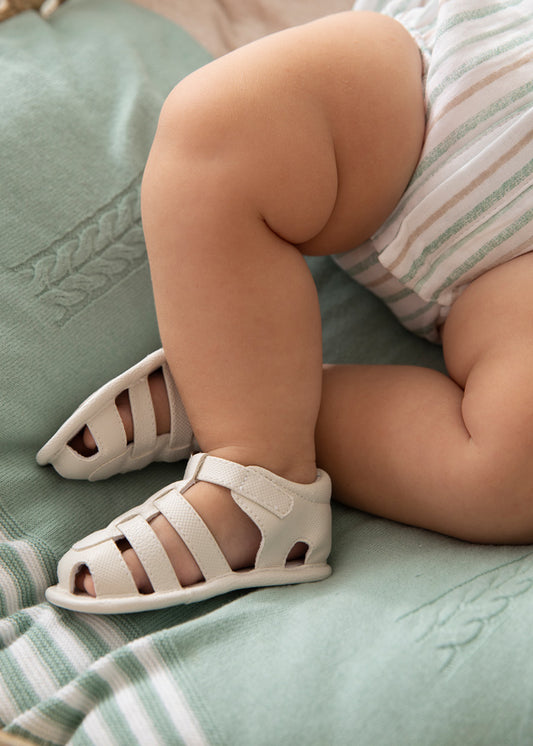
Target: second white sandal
(286,513)
(115,455)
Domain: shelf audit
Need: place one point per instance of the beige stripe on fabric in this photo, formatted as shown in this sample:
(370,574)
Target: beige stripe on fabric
(455,199)
(478,86)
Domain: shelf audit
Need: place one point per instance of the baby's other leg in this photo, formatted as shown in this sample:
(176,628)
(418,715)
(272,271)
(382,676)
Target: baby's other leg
(454,455)
(304,139)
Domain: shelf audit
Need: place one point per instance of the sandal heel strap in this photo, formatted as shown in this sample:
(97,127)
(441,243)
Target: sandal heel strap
(243,480)
(271,492)
(143,416)
(180,427)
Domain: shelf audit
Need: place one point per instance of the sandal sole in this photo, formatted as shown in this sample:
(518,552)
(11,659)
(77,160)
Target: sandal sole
(240,580)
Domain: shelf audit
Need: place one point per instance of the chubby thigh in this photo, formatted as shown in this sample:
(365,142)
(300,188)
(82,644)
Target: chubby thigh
(448,453)
(318,128)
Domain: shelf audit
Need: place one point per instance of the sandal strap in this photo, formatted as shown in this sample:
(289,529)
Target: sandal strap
(195,534)
(151,553)
(99,412)
(109,571)
(255,483)
(180,427)
(143,416)
(108,432)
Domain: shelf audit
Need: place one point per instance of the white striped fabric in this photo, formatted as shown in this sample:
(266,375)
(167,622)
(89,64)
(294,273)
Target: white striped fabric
(78,678)
(73,679)
(469,206)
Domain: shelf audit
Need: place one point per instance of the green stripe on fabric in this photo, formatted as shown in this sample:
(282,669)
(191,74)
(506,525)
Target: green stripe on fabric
(472,64)
(419,180)
(93,686)
(27,735)
(423,174)
(80,738)
(359,267)
(40,629)
(13,627)
(37,625)
(100,690)
(164,645)
(415,314)
(482,252)
(61,714)
(12,564)
(468,238)
(462,222)
(4,603)
(474,15)
(21,674)
(475,40)
(93,642)
(53,658)
(127,661)
(12,531)
(117,723)
(397,297)
(113,727)
(8,632)
(16,683)
(471,124)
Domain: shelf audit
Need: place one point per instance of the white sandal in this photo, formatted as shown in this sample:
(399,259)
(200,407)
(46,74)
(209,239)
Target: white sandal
(99,412)
(285,512)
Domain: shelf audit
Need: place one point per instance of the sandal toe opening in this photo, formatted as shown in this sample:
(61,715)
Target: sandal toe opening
(78,443)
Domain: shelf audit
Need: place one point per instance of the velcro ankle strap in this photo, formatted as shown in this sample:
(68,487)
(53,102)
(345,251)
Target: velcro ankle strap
(253,482)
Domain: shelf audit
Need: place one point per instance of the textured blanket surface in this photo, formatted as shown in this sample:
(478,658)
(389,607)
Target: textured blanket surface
(415,640)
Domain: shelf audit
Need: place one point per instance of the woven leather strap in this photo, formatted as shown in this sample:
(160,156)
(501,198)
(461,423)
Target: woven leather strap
(252,482)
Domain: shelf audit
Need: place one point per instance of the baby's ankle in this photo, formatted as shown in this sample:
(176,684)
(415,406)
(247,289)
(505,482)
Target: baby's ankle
(300,468)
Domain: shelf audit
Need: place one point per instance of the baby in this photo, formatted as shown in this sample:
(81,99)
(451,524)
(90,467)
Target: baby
(409,138)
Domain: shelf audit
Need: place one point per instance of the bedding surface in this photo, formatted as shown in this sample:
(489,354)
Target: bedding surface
(415,640)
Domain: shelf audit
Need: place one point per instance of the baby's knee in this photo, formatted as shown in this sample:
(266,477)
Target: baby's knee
(193,120)
(250,138)
(190,154)
(203,137)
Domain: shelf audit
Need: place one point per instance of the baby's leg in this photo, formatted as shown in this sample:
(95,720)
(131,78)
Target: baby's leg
(450,454)
(302,141)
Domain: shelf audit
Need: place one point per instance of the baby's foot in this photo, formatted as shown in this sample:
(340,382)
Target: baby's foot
(84,442)
(236,534)
(291,513)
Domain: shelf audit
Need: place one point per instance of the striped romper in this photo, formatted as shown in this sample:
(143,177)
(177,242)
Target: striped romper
(469,205)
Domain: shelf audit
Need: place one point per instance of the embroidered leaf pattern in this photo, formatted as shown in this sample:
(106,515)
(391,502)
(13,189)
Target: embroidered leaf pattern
(87,262)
